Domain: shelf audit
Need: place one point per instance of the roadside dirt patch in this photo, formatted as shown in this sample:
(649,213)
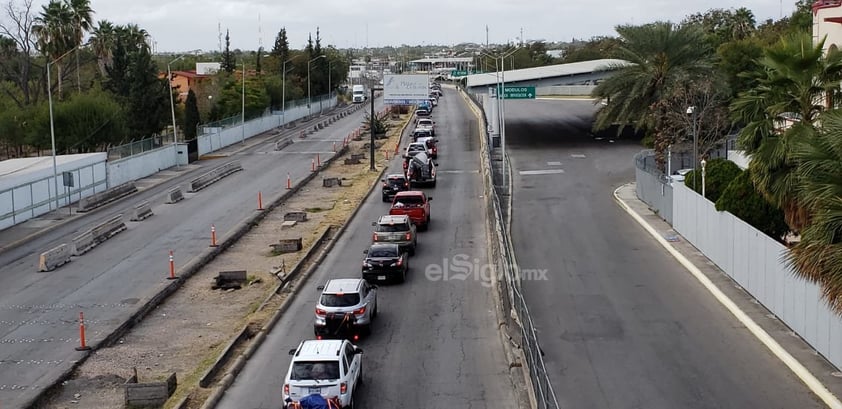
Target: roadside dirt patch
(189,331)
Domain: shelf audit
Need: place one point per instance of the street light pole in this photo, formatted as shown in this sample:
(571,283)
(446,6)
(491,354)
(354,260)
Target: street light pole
(52,124)
(371,142)
(704,162)
(309,99)
(172,109)
(243,128)
(284,87)
(692,111)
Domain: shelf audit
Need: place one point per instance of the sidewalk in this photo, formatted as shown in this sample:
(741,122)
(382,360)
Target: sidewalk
(819,375)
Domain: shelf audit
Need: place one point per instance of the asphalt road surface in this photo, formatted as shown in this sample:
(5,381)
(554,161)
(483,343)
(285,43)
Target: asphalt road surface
(623,325)
(435,342)
(39,311)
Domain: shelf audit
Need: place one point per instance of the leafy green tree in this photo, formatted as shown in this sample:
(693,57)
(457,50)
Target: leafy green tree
(148,101)
(12,130)
(792,76)
(117,69)
(737,57)
(594,49)
(719,173)
(742,199)
(103,41)
(89,122)
(228,64)
(660,55)
(191,116)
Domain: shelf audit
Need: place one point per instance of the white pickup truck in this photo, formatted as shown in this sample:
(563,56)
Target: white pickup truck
(427,123)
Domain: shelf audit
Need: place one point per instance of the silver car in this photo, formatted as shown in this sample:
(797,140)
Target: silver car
(345,309)
(397,229)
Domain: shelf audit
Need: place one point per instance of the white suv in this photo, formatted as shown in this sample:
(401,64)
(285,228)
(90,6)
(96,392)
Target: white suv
(330,368)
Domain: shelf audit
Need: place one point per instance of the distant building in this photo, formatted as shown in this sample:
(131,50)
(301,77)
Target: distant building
(556,53)
(184,81)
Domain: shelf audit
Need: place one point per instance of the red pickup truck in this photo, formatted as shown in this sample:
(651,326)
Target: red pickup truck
(415,204)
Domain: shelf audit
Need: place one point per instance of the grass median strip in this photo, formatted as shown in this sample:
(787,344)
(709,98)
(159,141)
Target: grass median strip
(187,332)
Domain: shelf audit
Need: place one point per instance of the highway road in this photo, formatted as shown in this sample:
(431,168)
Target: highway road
(39,311)
(435,342)
(622,323)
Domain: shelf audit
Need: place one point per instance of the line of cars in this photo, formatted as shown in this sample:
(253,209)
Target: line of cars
(326,372)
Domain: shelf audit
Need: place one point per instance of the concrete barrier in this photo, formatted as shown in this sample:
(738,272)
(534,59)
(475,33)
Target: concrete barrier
(287,246)
(331,182)
(83,242)
(358,156)
(141,211)
(283,143)
(214,175)
(55,257)
(174,195)
(296,216)
(352,161)
(319,126)
(105,197)
(108,229)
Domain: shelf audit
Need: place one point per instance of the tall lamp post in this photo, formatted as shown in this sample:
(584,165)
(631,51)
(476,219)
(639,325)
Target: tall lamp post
(329,89)
(172,109)
(243,127)
(704,162)
(501,103)
(692,111)
(309,109)
(52,122)
(284,87)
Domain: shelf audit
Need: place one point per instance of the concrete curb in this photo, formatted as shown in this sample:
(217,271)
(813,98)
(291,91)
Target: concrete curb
(512,356)
(230,376)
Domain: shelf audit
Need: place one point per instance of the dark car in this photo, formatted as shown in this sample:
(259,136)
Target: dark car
(392,185)
(385,262)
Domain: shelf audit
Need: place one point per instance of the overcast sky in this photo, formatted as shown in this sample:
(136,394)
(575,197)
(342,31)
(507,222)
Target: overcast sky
(183,25)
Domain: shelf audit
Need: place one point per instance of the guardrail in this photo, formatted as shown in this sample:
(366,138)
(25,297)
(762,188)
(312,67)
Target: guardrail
(105,197)
(542,389)
(215,175)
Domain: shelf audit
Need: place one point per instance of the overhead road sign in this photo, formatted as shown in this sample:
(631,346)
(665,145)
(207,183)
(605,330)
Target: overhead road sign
(519,93)
(405,89)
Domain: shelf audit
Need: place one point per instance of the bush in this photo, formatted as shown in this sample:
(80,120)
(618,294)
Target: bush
(743,200)
(719,173)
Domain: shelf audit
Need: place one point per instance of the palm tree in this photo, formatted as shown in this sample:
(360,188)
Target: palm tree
(660,54)
(81,13)
(134,37)
(742,24)
(53,30)
(796,84)
(818,257)
(103,40)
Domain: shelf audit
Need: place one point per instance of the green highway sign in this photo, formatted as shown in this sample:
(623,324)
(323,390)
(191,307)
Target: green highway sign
(519,93)
(458,73)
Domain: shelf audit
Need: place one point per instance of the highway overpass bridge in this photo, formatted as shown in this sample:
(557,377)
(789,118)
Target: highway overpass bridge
(584,74)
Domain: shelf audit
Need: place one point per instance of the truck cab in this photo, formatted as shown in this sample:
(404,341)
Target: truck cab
(358,94)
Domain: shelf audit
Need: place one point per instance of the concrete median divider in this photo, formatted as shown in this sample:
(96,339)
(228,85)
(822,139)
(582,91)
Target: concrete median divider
(283,143)
(105,197)
(108,229)
(83,242)
(141,211)
(174,195)
(214,175)
(55,257)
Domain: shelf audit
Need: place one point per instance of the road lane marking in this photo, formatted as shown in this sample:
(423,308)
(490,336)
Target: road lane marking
(541,172)
(578,155)
(796,367)
(553,163)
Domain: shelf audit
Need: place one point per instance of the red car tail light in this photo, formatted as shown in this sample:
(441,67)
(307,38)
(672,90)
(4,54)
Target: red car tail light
(286,388)
(409,236)
(320,312)
(359,311)
(343,387)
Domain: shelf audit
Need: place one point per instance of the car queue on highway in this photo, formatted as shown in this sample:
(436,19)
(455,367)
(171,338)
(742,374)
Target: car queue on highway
(325,372)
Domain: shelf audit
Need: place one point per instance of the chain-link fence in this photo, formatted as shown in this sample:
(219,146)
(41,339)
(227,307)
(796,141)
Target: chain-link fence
(137,147)
(521,328)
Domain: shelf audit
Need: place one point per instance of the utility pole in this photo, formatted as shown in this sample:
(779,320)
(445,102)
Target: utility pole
(371,131)
(486,35)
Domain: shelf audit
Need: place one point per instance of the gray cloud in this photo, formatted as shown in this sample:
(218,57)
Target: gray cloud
(192,24)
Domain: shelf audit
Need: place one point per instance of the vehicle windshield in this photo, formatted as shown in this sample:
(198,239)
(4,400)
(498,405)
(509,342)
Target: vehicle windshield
(409,200)
(317,370)
(383,252)
(392,228)
(396,181)
(416,148)
(340,300)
